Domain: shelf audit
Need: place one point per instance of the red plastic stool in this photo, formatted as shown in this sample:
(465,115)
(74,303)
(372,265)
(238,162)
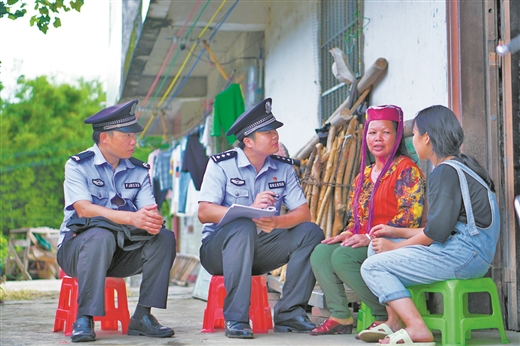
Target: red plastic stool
(259,310)
(68,306)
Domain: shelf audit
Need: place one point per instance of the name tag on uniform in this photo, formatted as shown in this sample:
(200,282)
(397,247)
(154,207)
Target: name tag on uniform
(277,185)
(132,185)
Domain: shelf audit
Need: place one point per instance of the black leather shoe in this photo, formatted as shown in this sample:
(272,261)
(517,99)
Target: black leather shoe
(298,324)
(239,330)
(149,326)
(83,330)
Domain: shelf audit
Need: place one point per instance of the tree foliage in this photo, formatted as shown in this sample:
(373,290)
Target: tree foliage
(46,11)
(38,134)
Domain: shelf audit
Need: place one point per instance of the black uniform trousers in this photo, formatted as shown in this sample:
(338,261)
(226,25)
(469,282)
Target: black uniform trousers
(93,255)
(237,251)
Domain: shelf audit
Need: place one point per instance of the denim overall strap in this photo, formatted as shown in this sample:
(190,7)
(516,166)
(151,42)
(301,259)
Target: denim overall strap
(472,227)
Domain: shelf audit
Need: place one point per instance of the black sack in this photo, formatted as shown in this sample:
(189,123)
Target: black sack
(128,237)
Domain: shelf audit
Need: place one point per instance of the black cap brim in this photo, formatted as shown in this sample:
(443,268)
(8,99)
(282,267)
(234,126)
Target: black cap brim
(272,126)
(134,128)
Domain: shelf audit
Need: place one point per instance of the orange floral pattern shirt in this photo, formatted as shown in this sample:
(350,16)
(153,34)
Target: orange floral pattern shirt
(399,199)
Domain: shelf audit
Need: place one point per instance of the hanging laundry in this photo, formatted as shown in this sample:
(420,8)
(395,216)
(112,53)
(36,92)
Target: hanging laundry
(180,180)
(228,106)
(195,160)
(162,170)
(162,176)
(151,162)
(205,139)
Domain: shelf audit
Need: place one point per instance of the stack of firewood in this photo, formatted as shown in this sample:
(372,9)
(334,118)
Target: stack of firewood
(327,172)
(328,175)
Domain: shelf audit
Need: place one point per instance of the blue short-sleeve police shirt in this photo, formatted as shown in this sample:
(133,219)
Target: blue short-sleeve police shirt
(231,178)
(93,179)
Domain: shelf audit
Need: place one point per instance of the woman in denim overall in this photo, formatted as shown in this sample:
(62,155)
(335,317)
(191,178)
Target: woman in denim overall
(458,242)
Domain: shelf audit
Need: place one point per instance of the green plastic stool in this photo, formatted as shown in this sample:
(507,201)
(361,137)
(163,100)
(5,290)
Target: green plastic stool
(456,322)
(364,318)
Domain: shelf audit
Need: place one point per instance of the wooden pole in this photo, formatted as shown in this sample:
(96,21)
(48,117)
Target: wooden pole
(340,117)
(339,192)
(366,82)
(215,61)
(315,179)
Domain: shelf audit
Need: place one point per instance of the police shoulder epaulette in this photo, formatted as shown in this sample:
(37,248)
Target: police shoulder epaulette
(82,156)
(286,160)
(139,163)
(226,155)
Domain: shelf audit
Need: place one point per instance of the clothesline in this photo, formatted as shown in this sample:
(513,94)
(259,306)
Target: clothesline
(171,50)
(189,131)
(185,79)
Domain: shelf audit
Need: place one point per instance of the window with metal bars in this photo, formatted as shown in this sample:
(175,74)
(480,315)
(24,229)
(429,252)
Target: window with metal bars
(341,25)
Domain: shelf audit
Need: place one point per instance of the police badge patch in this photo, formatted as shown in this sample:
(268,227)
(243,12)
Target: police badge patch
(268,107)
(237,181)
(98,182)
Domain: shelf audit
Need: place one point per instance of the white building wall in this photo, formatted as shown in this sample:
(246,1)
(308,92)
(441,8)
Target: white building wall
(412,37)
(291,70)
(115,46)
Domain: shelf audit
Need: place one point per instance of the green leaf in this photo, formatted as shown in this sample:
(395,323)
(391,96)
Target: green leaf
(3,10)
(43,7)
(20,13)
(76,4)
(53,7)
(57,22)
(43,23)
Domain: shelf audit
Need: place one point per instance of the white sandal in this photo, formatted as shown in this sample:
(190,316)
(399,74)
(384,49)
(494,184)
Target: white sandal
(401,337)
(375,333)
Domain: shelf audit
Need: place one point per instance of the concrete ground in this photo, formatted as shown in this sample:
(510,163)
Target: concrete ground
(31,323)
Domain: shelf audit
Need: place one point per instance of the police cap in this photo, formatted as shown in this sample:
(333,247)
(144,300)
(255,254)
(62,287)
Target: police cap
(118,117)
(258,118)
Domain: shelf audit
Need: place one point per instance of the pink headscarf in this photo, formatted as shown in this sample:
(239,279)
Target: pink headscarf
(384,112)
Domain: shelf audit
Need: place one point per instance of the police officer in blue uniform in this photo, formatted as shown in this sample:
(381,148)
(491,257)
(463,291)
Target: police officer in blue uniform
(105,184)
(250,175)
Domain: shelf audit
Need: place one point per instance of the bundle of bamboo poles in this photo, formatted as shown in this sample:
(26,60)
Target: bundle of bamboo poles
(328,176)
(328,171)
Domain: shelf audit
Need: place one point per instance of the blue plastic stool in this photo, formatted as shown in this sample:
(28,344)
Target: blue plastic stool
(456,322)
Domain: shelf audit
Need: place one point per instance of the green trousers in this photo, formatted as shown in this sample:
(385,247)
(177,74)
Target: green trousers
(334,265)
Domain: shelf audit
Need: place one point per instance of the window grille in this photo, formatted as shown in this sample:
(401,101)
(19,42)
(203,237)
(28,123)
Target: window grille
(341,26)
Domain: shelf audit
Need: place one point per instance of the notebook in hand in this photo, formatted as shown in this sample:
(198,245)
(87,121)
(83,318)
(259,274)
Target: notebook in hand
(236,211)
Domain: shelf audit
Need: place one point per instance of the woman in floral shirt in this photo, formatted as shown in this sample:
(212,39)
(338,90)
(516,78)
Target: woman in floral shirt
(390,191)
